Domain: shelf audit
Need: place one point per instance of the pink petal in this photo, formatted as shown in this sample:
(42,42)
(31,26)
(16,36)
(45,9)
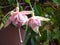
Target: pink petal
(34,22)
(36,29)
(11,18)
(22,18)
(19,20)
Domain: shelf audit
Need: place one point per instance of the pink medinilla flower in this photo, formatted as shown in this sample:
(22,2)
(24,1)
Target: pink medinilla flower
(35,21)
(18,18)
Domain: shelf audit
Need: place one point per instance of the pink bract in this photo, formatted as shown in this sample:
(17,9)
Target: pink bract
(34,23)
(17,18)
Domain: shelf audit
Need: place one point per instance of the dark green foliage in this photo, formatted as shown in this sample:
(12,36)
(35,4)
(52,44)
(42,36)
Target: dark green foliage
(37,10)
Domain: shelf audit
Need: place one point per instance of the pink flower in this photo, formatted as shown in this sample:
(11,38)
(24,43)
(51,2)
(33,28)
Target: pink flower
(17,18)
(35,21)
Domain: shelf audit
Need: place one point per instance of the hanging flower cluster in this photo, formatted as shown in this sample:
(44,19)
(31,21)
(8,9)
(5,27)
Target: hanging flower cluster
(20,18)
(35,21)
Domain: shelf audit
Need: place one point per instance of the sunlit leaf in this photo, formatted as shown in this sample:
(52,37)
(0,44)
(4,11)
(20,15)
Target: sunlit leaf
(46,43)
(56,1)
(27,1)
(1,26)
(4,19)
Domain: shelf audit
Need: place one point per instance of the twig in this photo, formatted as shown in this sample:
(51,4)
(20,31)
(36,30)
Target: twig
(4,6)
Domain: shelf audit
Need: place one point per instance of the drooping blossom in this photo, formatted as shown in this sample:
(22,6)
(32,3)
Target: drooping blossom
(35,21)
(18,18)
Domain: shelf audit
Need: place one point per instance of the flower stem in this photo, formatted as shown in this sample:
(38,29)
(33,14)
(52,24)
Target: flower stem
(17,3)
(32,8)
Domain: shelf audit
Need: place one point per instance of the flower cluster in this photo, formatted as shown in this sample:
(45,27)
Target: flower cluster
(20,18)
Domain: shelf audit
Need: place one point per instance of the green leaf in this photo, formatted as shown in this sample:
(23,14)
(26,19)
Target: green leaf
(3,22)
(4,19)
(11,2)
(46,43)
(28,35)
(37,10)
(20,8)
(43,37)
(1,15)
(56,34)
(50,10)
(58,40)
(57,17)
(27,1)
(56,1)
(32,41)
(48,35)
(27,38)
(1,26)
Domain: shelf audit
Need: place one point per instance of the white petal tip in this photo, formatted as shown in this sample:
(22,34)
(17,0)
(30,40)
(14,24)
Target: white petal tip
(21,41)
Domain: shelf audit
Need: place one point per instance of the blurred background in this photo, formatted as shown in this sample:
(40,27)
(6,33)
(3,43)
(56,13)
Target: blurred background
(50,31)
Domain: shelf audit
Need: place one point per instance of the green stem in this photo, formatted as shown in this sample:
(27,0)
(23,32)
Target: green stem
(31,7)
(17,3)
